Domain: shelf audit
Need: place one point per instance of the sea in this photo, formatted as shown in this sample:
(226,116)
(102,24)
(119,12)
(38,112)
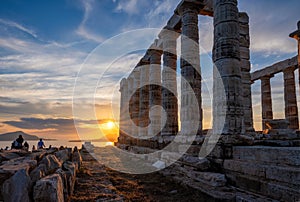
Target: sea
(57,143)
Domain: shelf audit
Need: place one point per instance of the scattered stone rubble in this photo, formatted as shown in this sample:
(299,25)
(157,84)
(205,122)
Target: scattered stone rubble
(42,175)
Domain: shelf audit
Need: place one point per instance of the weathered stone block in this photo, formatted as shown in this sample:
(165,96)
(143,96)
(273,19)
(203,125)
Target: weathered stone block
(17,187)
(49,189)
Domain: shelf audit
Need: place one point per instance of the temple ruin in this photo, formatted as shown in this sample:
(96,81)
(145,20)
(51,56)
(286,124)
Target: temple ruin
(244,165)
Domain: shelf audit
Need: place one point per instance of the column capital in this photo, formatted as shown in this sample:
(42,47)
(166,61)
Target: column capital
(296,34)
(168,34)
(266,77)
(289,69)
(143,62)
(243,18)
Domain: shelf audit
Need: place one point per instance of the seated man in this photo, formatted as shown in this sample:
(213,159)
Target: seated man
(41,144)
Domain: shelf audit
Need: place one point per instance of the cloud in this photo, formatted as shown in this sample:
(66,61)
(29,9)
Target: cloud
(271,22)
(82,29)
(18,26)
(129,6)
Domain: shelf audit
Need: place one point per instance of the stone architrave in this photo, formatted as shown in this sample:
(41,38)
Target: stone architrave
(245,72)
(291,109)
(190,71)
(266,101)
(155,91)
(169,82)
(144,98)
(227,99)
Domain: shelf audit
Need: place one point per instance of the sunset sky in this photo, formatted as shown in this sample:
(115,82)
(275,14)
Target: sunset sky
(43,45)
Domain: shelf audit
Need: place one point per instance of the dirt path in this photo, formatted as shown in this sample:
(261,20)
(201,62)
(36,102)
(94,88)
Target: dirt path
(95,182)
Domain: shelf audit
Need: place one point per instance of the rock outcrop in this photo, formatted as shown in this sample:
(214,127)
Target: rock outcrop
(44,175)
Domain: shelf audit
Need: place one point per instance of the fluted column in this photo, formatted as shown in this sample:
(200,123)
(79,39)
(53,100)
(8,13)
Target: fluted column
(190,70)
(245,72)
(169,82)
(266,100)
(123,109)
(130,91)
(136,100)
(290,99)
(144,98)
(227,99)
(155,91)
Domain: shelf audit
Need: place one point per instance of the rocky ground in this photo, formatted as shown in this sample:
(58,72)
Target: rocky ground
(96,182)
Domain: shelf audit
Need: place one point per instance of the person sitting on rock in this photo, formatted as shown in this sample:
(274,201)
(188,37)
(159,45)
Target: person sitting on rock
(18,143)
(41,144)
(26,146)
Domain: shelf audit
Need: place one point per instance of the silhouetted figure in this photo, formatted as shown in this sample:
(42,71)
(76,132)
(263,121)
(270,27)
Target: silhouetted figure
(33,148)
(17,144)
(40,144)
(26,146)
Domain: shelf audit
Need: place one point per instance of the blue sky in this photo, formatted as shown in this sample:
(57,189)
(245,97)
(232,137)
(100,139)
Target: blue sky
(43,44)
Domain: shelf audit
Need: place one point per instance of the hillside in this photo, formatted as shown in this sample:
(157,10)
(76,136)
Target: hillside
(14,135)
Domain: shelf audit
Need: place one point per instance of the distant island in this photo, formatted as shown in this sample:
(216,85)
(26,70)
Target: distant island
(14,135)
(93,140)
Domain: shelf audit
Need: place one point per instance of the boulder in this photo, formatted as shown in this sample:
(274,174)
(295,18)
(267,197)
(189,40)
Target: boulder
(17,164)
(38,155)
(49,189)
(201,164)
(38,173)
(51,162)
(52,150)
(76,158)
(63,176)
(4,156)
(212,179)
(62,155)
(70,171)
(17,187)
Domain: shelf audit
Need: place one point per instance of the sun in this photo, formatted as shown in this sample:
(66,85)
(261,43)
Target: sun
(110,125)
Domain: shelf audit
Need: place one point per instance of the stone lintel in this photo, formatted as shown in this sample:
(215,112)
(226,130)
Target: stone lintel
(174,23)
(200,4)
(208,8)
(275,68)
(165,32)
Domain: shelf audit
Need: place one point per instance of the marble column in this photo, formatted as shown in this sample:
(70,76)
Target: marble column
(129,122)
(190,71)
(123,110)
(290,99)
(135,100)
(169,82)
(245,72)
(266,100)
(155,92)
(227,99)
(144,98)
(296,35)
